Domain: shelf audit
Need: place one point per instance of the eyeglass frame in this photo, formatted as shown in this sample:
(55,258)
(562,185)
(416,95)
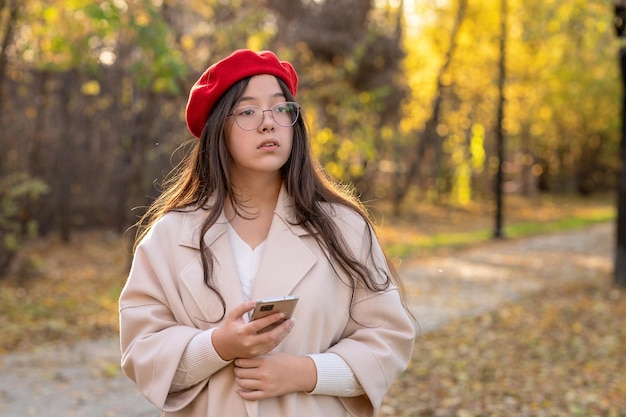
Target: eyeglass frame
(271,110)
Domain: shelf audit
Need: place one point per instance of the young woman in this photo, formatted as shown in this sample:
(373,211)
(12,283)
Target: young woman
(248,215)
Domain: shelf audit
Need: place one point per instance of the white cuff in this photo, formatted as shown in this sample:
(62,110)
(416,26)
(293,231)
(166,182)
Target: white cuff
(199,361)
(334,377)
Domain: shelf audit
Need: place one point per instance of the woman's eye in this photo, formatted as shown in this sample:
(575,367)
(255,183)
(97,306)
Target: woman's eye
(246,112)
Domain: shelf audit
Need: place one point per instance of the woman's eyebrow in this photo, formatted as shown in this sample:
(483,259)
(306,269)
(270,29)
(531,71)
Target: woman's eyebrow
(250,98)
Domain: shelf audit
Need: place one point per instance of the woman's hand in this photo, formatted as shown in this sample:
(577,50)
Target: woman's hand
(273,375)
(236,338)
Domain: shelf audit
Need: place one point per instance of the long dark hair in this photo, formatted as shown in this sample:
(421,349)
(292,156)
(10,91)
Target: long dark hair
(202,180)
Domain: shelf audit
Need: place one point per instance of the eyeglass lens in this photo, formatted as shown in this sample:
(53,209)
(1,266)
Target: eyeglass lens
(251,117)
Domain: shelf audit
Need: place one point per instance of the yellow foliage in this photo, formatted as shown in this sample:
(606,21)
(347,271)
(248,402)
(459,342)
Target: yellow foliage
(477,148)
(91,88)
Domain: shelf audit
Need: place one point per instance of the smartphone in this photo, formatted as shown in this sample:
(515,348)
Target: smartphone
(267,306)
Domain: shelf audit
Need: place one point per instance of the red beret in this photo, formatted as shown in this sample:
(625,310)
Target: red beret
(220,76)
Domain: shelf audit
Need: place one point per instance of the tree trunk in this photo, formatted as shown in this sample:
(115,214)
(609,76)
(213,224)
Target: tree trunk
(7,34)
(620,253)
(429,134)
(5,39)
(498,232)
(65,157)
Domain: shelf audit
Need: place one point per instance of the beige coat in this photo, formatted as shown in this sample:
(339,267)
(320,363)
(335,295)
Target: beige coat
(165,303)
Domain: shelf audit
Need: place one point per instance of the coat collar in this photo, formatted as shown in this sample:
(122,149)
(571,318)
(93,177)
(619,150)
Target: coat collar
(193,219)
(286,257)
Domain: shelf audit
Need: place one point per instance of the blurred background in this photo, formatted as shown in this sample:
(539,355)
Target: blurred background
(442,102)
(457,121)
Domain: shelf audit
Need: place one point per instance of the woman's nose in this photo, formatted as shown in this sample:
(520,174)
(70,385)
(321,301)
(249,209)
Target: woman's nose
(267,123)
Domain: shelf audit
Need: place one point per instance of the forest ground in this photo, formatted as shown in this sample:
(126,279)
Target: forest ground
(515,327)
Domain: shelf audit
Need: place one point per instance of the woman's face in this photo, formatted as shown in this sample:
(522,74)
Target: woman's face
(266,148)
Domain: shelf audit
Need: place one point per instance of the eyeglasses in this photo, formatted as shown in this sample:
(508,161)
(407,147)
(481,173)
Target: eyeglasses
(251,117)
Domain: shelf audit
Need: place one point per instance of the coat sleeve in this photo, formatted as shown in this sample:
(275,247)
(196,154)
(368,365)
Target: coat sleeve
(154,330)
(377,345)
(378,341)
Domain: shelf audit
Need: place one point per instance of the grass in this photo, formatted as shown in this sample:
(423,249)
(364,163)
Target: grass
(62,291)
(68,291)
(429,228)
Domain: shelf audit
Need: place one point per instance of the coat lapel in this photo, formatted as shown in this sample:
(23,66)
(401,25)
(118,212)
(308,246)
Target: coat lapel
(286,258)
(225,273)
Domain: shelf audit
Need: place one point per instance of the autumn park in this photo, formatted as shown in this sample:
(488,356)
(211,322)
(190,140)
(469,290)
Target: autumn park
(485,138)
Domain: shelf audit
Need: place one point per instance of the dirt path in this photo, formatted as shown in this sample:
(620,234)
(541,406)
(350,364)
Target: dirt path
(83,379)
(479,279)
